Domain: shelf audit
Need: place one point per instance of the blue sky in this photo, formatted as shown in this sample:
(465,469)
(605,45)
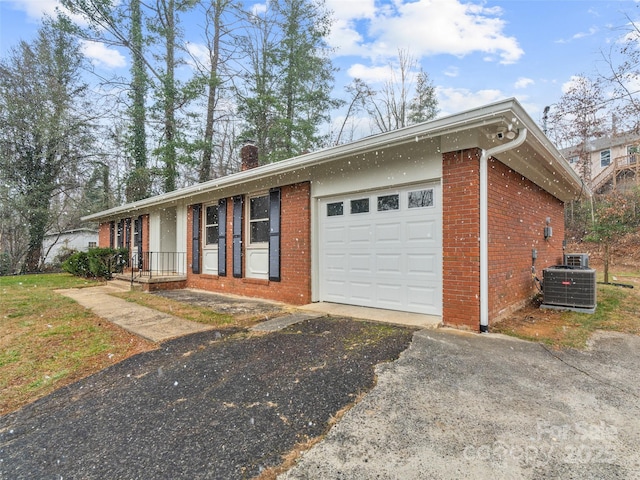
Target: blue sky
(475,51)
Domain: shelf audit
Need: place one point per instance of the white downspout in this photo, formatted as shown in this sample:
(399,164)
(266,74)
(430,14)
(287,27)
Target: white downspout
(484,223)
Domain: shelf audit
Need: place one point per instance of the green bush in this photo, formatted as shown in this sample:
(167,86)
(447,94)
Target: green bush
(97,262)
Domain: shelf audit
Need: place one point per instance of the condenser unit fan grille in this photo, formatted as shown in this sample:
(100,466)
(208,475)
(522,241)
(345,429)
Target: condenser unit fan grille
(570,288)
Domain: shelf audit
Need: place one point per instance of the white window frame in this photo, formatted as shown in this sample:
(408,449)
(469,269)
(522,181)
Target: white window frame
(256,264)
(249,220)
(605,154)
(205,243)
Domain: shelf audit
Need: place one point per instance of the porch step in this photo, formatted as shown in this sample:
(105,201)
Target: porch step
(123,285)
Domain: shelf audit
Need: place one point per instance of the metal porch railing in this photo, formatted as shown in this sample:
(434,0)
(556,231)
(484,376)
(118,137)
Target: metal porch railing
(157,264)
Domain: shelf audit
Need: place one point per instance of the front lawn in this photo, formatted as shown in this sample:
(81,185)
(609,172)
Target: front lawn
(49,341)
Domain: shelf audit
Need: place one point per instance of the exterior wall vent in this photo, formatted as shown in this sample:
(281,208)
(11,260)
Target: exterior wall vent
(569,288)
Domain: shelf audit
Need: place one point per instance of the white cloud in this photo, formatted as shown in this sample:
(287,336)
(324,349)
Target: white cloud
(573,83)
(452,71)
(370,75)
(35,9)
(577,36)
(427,27)
(199,54)
(100,54)
(454,100)
(523,82)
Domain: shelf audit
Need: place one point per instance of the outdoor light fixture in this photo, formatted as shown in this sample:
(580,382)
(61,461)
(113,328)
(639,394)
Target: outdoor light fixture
(548,231)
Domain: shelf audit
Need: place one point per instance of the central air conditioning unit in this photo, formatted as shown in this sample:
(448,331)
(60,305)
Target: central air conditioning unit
(576,260)
(569,288)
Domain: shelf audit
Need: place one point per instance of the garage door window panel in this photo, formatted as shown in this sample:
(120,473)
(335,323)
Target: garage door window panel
(335,209)
(360,205)
(388,202)
(421,198)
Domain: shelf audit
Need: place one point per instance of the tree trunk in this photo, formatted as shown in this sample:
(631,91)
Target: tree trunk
(606,262)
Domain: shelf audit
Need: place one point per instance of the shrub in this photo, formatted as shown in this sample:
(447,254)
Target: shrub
(97,262)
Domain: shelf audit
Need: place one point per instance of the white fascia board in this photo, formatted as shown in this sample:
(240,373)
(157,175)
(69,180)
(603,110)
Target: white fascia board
(487,115)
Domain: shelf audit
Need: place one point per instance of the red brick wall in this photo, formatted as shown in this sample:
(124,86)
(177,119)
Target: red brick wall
(145,233)
(517,216)
(295,244)
(103,235)
(460,239)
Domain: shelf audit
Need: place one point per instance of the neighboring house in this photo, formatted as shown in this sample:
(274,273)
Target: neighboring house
(443,218)
(614,161)
(80,239)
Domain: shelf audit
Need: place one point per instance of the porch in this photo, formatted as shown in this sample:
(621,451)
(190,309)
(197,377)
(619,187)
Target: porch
(629,163)
(153,271)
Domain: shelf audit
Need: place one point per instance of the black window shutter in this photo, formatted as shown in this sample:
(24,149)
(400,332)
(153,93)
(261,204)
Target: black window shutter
(237,236)
(127,233)
(138,228)
(274,235)
(197,216)
(112,232)
(222,237)
(120,233)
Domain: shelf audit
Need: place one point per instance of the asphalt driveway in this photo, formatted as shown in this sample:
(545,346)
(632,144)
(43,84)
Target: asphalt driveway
(217,404)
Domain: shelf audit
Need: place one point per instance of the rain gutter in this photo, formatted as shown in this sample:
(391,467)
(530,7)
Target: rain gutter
(484,223)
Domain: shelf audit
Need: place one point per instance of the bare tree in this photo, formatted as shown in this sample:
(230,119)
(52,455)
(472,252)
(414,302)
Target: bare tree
(579,118)
(402,102)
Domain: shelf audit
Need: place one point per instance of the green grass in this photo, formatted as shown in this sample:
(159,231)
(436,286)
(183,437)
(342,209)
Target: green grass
(48,340)
(179,309)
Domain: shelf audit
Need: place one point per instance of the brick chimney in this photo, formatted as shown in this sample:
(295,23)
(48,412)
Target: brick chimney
(249,155)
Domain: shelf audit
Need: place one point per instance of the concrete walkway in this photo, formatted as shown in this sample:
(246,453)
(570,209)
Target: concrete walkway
(145,322)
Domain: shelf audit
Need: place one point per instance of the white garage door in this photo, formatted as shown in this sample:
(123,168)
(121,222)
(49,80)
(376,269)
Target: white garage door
(383,249)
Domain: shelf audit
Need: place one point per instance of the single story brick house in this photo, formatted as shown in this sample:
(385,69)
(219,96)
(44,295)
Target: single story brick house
(440,218)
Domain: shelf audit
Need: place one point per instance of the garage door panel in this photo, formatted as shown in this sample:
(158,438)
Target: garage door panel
(389,295)
(359,234)
(389,263)
(421,233)
(360,263)
(361,291)
(335,235)
(388,234)
(423,298)
(335,291)
(421,264)
(386,259)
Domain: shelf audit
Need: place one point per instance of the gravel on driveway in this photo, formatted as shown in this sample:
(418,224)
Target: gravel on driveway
(218,404)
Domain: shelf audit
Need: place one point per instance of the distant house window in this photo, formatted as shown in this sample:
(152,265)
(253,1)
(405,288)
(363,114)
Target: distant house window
(388,202)
(421,198)
(573,160)
(605,158)
(335,209)
(633,152)
(259,219)
(211,225)
(360,206)
(93,244)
